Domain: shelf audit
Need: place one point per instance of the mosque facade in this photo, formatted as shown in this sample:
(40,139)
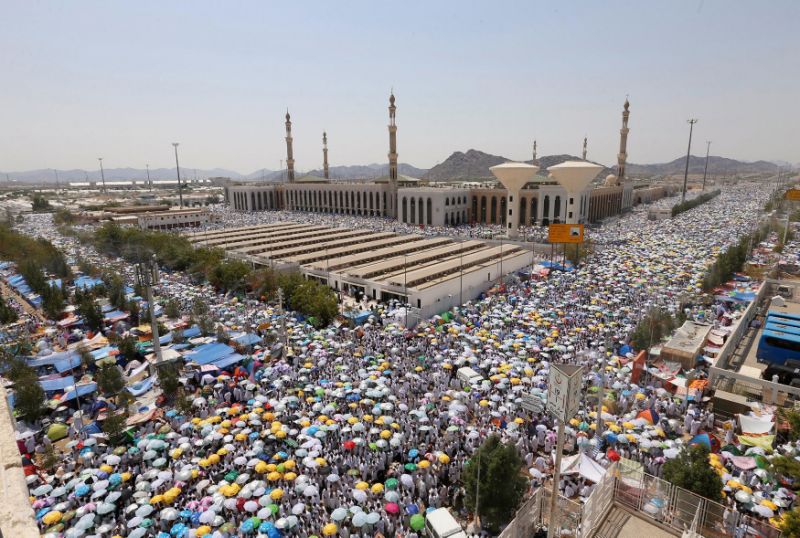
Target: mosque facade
(405,199)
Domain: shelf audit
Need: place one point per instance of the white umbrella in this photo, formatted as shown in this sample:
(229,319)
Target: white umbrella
(251,506)
(207,517)
(339,514)
(298,509)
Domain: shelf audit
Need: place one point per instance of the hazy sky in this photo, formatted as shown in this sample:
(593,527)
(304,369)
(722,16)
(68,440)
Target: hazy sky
(123,80)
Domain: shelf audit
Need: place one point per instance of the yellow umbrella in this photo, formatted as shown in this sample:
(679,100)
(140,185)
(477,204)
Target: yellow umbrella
(329,529)
(290,476)
(274,476)
(769,504)
(424,464)
(377,488)
(386,434)
(222,452)
(444,458)
(261,467)
(363,486)
(51,518)
(106,468)
(280,434)
(202,531)
(276,494)
(213,459)
(155,499)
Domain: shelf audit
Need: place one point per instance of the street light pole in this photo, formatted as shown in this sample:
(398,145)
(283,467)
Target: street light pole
(705,170)
(102,173)
(691,121)
(149,183)
(405,287)
(178,169)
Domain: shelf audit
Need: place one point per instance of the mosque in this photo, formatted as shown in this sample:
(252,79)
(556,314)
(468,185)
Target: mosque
(408,200)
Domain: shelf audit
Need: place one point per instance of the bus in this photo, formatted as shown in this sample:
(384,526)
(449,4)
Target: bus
(776,347)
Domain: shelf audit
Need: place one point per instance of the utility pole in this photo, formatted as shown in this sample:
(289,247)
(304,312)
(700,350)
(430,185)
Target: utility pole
(691,121)
(178,169)
(148,276)
(405,289)
(705,170)
(102,174)
(281,313)
(149,183)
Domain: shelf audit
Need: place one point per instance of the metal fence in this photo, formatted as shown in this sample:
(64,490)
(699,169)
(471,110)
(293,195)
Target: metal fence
(676,507)
(528,520)
(599,502)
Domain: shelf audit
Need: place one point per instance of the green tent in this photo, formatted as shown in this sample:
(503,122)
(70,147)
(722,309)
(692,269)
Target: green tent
(57,431)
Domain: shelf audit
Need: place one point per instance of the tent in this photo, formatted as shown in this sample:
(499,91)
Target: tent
(57,431)
(584,466)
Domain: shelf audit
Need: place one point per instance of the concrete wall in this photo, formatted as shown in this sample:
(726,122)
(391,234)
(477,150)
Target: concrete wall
(16,515)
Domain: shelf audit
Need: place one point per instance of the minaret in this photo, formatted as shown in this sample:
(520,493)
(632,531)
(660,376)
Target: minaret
(534,152)
(325,154)
(392,209)
(623,143)
(584,147)
(289,152)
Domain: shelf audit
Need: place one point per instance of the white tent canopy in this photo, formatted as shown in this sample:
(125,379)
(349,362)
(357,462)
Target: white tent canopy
(584,466)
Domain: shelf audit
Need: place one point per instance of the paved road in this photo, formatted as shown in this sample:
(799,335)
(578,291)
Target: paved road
(7,291)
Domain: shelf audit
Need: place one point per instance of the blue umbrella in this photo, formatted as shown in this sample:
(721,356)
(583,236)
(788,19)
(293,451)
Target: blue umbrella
(412,509)
(413,453)
(40,514)
(115,479)
(185,514)
(246,527)
(179,530)
(82,490)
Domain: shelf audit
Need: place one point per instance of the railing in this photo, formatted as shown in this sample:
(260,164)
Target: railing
(676,507)
(627,485)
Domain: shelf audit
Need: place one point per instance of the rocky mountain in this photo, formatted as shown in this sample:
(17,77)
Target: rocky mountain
(474,166)
(716,166)
(368,171)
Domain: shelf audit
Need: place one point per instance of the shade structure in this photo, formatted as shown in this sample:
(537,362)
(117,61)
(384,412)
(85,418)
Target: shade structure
(574,176)
(514,176)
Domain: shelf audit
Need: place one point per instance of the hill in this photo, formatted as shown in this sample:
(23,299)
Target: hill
(716,166)
(474,166)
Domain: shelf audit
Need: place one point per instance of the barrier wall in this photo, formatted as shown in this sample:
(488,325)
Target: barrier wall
(16,514)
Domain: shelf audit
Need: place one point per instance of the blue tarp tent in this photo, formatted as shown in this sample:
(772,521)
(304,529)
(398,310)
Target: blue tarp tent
(102,352)
(208,353)
(83,390)
(87,282)
(230,360)
(166,339)
(58,383)
(65,365)
(247,339)
(142,386)
(191,332)
(54,282)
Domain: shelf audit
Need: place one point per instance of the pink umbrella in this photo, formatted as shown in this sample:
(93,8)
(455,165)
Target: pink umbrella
(392,508)
(193,505)
(90,507)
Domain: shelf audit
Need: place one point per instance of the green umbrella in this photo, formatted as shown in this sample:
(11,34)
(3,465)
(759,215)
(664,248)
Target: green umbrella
(273,508)
(373,446)
(391,483)
(410,467)
(146,523)
(417,522)
(231,476)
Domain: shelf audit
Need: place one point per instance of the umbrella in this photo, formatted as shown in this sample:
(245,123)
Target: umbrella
(392,508)
(417,522)
(339,514)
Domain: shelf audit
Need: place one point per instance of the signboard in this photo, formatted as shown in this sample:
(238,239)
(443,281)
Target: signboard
(531,402)
(564,390)
(792,194)
(565,233)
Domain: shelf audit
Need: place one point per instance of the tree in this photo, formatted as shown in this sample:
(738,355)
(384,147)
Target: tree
(496,467)
(315,300)
(53,302)
(168,380)
(127,348)
(173,309)
(39,203)
(785,466)
(691,471)
(87,359)
(229,275)
(7,314)
(114,427)
(263,283)
(116,291)
(29,399)
(790,524)
(90,312)
(49,458)
(201,313)
(109,379)
(133,311)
